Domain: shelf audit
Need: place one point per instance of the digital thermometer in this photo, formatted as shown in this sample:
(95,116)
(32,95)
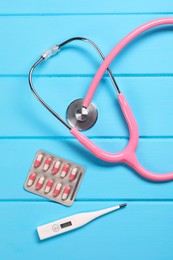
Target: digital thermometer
(72,222)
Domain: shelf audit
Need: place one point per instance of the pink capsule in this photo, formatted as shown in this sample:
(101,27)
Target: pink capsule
(40,182)
(38,160)
(56,167)
(31,179)
(65,170)
(57,189)
(49,185)
(47,164)
(66,192)
(73,174)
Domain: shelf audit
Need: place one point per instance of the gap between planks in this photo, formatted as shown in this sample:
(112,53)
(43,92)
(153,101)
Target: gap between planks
(73,138)
(88,14)
(126,75)
(90,200)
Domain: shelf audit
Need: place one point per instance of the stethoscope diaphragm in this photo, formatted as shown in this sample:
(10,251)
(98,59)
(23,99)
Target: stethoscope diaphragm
(80,117)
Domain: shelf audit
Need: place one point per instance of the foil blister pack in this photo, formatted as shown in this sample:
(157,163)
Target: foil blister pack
(54,178)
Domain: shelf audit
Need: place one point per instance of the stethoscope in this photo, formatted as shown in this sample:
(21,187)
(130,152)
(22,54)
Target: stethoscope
(82,114)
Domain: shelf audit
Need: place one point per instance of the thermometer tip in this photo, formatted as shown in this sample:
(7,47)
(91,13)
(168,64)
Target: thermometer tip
(123,205)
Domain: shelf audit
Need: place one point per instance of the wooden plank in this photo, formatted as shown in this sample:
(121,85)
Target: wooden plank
(102,181)
(140,229)
(24,39)
(39,7)
(22,115)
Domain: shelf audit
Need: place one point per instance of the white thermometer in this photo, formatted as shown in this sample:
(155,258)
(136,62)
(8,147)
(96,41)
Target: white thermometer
(75,221)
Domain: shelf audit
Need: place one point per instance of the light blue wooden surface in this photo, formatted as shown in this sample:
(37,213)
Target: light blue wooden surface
(144,71)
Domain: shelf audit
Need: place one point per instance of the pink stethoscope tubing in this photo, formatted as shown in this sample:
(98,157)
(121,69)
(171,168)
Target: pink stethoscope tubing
(128,155)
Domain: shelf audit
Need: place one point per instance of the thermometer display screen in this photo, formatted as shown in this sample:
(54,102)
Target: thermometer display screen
(66,224)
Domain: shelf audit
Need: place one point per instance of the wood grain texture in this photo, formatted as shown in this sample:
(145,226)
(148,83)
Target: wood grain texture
(144,72)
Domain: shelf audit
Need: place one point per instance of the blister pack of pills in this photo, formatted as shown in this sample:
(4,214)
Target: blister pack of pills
(54,178)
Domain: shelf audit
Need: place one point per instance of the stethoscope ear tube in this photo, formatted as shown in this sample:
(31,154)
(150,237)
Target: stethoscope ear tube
(41,59)
(53,51)
(128,155)
(117,49)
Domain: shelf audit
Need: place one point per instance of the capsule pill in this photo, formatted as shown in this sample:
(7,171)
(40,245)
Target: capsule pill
(66,192)
(49,185)
(31,179)
(57,189)
(40,182)
(64,170)
(73,174)
(47,164)
(38,160)
(56,167)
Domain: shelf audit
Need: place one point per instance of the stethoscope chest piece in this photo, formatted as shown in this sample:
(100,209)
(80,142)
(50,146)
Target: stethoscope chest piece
(80,117)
